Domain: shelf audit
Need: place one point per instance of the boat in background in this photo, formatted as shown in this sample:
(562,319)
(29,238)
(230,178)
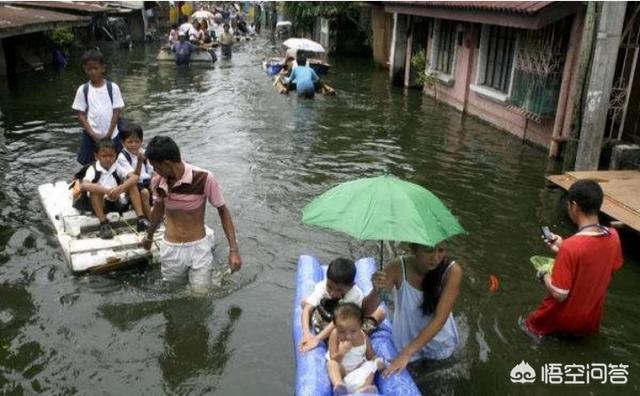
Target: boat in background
(166,55)
(273,66)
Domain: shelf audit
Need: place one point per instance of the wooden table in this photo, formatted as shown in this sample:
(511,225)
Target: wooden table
(621,192)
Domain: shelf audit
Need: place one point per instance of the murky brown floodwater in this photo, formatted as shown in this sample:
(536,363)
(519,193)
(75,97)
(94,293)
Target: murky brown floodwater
(127,333)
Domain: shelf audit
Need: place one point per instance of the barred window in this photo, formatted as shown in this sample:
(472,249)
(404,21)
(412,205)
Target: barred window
(445,47)
(500,46)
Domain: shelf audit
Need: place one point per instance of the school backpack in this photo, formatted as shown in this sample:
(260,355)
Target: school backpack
(85,91)
(76,192)
(130,161)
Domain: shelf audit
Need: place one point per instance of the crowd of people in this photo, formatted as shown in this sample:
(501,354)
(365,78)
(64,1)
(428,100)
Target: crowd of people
(425,284)
(194,34)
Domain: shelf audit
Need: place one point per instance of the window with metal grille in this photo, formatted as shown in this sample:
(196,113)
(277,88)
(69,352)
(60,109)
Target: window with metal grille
(445,48)
(499,58)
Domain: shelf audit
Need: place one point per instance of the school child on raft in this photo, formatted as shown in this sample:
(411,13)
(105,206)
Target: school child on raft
(132,160)
(99,105)
(351,362)
(318,308)
(105,185)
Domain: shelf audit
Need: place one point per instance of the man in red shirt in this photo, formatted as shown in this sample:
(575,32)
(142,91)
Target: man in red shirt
(582,271)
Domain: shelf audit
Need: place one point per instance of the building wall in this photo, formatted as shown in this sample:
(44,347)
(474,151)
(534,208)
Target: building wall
(459,95)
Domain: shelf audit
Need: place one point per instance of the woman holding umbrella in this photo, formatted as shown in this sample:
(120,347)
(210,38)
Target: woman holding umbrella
(426,283)
(425,286)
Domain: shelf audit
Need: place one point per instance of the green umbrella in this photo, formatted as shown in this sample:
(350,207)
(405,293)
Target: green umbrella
(383,208)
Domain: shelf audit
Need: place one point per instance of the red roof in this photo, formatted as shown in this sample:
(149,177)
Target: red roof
(520,7)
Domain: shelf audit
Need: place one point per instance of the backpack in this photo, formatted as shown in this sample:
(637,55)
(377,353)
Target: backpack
(322,315)
(130,161)
(85,91)
(76,192)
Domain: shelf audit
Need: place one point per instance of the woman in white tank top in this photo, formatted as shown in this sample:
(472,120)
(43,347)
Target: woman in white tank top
(425,287)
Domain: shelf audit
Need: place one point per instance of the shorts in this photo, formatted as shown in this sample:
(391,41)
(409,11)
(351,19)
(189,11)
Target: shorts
(193,258)
(225,50)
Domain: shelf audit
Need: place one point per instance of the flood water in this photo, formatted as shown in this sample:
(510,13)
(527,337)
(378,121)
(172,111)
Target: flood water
(128,333)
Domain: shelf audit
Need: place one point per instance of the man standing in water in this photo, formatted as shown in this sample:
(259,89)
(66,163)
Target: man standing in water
(582,271)
(183,50)
(180,191)
(304,77)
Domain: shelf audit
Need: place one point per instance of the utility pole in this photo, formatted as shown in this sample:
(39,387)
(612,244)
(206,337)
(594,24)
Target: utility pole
(600,82)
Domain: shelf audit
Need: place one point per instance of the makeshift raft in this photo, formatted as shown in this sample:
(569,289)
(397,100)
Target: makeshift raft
(84,251)
(621,197)
(77,233)
(198,56)
(311,367)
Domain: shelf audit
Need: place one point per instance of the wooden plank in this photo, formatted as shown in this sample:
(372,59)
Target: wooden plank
(621,192)
(116,264)
(121,241)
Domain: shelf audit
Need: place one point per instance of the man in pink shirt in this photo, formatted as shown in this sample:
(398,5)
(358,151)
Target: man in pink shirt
(180,192)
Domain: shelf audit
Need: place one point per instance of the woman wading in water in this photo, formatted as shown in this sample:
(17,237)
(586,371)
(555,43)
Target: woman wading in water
(425,286)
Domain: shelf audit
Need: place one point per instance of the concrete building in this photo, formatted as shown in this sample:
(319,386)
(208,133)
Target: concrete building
(508,63)
(24,27)
(22,44)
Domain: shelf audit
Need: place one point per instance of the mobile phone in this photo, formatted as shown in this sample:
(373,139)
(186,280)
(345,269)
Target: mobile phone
(546,234)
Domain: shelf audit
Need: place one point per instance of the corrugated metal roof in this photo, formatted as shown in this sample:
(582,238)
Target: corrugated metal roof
(13,20)
(85,8)
(519,7)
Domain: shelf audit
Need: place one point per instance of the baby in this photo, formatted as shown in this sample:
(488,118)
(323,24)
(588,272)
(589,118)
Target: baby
(351,362)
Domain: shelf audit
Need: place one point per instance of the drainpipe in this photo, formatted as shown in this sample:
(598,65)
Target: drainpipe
(470,43)
(392,52)
(567,78)
(407,58)
(572,124)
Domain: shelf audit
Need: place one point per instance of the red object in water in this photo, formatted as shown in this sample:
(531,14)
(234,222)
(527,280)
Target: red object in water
(493,283)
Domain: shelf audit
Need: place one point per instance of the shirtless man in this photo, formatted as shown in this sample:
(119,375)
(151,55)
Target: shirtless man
(179,194)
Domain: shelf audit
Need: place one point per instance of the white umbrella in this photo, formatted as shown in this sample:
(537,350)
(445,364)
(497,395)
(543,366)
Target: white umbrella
(303,44)
(200,15)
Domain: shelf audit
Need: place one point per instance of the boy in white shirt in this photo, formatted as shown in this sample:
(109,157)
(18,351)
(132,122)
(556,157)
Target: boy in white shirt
(132,160)
(99,104)
(337,288)
(105,185)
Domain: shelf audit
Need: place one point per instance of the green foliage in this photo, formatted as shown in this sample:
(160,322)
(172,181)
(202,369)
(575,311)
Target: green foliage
(62,37)
(419,63)
(303,13)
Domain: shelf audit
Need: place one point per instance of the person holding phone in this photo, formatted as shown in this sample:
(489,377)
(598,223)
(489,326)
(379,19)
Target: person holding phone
(584,266)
